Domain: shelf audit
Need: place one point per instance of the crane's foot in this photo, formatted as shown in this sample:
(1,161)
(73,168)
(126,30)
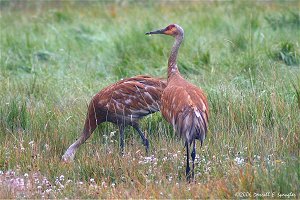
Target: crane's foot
(122,152)
(121,149)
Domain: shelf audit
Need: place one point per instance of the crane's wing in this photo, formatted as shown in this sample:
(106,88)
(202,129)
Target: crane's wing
(134,97)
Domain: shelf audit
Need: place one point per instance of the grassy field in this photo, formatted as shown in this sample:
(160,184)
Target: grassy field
(56,56)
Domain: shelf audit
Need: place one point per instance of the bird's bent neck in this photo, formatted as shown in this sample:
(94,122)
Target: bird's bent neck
(172,63)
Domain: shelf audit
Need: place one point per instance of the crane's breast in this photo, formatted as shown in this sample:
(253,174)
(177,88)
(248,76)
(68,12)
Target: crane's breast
(186,109)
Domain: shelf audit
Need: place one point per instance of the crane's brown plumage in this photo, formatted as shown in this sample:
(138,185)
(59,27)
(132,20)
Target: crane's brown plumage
(185,107)
(122,103)
(183,104)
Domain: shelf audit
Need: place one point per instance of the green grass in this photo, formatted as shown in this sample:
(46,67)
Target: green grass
(55,57)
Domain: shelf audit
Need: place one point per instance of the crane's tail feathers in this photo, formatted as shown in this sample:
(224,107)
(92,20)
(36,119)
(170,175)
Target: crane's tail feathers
(192,125)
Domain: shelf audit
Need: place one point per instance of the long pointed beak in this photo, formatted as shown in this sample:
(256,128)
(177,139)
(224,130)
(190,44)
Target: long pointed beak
(161,31)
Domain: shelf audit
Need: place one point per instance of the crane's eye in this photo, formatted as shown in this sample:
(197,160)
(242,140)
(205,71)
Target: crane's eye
(170,27)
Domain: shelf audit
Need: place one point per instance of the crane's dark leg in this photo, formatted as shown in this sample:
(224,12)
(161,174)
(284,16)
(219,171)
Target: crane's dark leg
(121,129)
(91,122)
(145,140)
(193,155)
(187,169)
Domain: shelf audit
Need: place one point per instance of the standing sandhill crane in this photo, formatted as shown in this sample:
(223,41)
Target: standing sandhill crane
(122,103)
(183,104)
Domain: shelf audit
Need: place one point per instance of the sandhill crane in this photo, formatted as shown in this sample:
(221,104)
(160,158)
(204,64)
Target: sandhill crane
(122,103)
(183,104)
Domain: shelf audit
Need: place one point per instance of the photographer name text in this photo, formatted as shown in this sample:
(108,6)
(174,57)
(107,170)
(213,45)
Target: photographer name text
(266,194)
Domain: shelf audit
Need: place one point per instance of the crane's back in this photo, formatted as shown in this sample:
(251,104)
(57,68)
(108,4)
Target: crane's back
(129,99)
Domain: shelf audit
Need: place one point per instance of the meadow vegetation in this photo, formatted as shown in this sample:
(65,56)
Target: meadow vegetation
(56,56)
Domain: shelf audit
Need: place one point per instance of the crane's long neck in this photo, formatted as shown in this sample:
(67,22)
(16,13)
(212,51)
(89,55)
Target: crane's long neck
(172,63)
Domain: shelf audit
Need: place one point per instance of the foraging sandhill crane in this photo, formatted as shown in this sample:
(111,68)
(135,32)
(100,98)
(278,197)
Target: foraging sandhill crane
(183,104)
(122,103)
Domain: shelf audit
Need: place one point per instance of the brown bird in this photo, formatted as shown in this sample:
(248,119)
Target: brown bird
(183,104)
(122,103)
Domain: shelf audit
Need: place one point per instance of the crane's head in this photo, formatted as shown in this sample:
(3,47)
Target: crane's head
(172,30)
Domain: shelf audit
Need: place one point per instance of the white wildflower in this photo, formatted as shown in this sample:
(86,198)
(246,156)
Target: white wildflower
(103,184)
(11,173)
(112,134)
(239,161)
(47,147)
(48,190)
(62,177)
